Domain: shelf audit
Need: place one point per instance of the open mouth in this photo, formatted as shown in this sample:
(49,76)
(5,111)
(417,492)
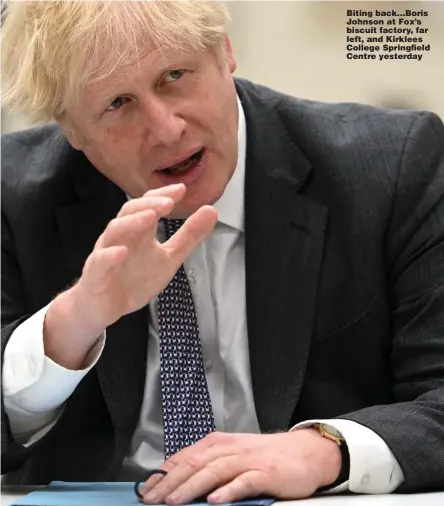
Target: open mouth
(185,165)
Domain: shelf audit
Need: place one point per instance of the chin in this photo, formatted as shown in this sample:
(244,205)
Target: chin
(185,209)
(205,196)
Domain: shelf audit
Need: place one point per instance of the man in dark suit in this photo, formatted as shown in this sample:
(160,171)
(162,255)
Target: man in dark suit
(323,223)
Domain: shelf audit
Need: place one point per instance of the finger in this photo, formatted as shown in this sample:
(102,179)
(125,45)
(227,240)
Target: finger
(101,262)
(216,474)
(127,228)
(249,484)
(186,463)
(195,229)
(155,476)
(222,440)
(151,483)
(175,191)
(161,205)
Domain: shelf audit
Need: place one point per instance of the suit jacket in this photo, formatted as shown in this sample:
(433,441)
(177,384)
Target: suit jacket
(344,238)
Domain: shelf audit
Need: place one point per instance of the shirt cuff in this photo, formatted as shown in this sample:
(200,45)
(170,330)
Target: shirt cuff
(32,380)
(373,467)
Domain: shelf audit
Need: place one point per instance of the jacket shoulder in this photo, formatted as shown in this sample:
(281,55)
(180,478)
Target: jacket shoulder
(349,139)
(340,122)
(34,162)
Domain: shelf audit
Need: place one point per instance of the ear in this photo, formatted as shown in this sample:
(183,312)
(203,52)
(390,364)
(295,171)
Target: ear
(70,132)
(231,59)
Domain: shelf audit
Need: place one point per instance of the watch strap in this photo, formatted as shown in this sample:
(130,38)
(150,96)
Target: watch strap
(344,474)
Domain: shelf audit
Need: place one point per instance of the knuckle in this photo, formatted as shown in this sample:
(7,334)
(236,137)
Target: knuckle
(113,226)
(194,236)
(195,463)
(221,438)
(149,193)
(89,263)
(154,202)
(167,201)
(247,481)
(127,208)
(251,481)
(268,466)
(226,438)
(141,217)
(158,202)
(100,241)
(214,469)
(215,437)
(171,462)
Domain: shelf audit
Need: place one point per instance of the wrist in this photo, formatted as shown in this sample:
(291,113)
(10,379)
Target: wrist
(328,460)
(69,330)
(330,433)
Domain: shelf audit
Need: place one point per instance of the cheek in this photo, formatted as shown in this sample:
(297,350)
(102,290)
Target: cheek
(119,147)
(224,107)
(119,139)
(114,150)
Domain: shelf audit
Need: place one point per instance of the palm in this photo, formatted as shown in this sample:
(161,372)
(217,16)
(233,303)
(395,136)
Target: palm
(115,288)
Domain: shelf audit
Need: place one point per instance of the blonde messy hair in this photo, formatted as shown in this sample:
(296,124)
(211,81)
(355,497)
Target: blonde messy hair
(52,49)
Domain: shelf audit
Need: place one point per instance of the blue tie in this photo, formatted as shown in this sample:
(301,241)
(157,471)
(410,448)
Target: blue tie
(187,411)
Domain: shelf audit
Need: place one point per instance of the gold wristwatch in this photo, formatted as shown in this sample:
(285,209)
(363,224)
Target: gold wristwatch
(331,433)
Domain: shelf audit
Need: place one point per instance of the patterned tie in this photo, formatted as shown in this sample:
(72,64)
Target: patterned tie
(187,411)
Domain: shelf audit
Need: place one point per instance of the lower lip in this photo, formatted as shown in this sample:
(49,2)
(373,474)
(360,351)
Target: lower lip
(187,177)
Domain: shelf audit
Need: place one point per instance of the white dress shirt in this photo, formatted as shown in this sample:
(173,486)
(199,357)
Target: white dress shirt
(35,388)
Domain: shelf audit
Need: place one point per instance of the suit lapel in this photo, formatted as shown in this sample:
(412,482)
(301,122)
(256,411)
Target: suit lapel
(121,368)
(284,234)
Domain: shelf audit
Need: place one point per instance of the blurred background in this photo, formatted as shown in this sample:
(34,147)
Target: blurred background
(298,47)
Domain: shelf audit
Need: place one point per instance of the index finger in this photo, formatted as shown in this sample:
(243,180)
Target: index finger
(174,191)
(195,229)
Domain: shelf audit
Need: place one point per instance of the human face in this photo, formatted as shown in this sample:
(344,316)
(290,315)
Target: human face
(149,116)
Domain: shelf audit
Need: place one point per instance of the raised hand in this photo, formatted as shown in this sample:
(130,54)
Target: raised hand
(126,270)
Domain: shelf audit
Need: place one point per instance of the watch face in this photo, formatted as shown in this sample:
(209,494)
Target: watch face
(332,431)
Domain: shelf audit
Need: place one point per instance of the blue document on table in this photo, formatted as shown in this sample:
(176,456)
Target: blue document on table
(60,493)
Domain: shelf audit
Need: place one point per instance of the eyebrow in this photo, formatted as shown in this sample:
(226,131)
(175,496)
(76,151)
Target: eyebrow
(108,95)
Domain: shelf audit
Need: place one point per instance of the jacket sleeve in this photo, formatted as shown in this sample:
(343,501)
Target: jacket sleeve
(13,314)
(413,427)
(34,388)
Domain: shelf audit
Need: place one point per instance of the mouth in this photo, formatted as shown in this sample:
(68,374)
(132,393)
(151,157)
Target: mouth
(185,165)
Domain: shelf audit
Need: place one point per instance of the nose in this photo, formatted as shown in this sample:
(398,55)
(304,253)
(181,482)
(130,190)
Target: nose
(164,126)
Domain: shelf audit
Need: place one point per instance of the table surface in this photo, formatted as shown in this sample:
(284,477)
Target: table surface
(431,499)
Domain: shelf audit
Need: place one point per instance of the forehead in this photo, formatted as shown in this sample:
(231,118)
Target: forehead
(137,71)
(114,35)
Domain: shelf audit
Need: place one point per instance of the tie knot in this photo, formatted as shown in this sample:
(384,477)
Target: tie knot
(171,227)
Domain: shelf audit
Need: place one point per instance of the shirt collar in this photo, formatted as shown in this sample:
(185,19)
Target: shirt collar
(231,204)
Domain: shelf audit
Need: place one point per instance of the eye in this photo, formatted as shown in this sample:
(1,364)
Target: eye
(117,103)
(174,75)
